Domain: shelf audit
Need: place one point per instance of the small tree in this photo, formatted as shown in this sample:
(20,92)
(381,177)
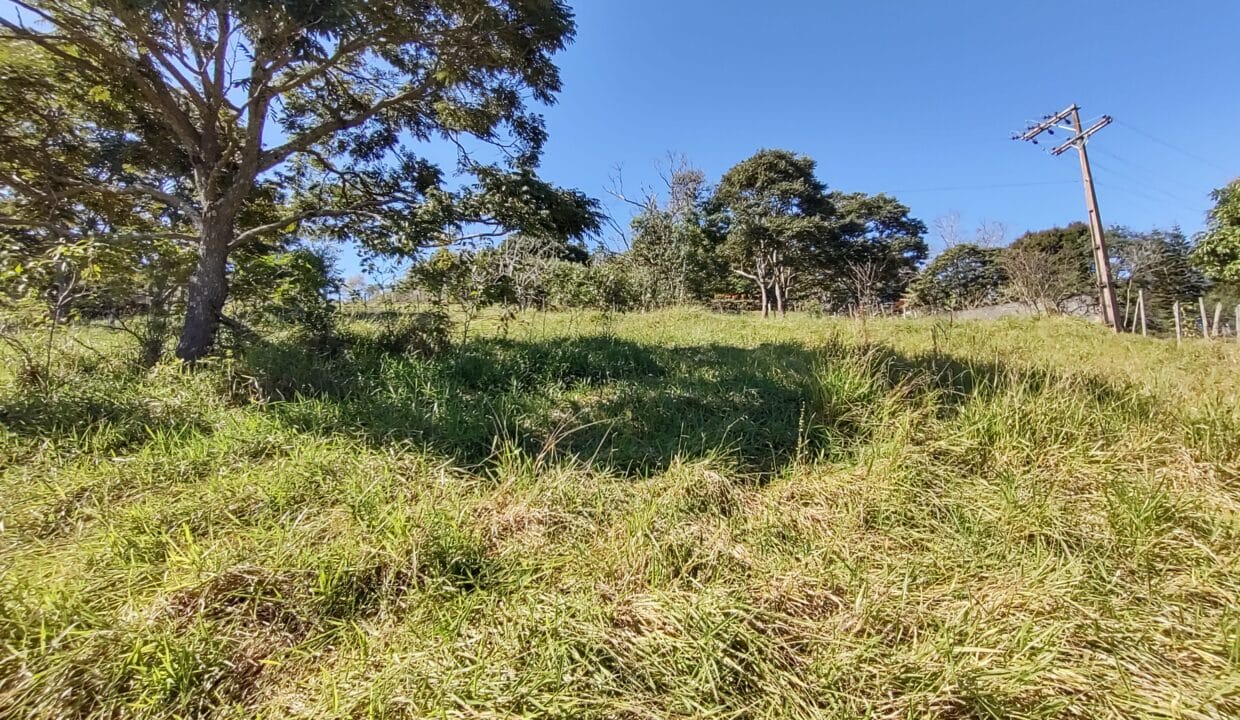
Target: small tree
(672,254)
(963,276)
(1048,269)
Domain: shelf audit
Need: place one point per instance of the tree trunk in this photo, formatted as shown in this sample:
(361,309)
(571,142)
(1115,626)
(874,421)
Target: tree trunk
(208,288)
(766,303)
(779,299)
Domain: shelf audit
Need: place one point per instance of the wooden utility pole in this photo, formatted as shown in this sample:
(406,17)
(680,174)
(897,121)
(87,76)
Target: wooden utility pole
(1102,258)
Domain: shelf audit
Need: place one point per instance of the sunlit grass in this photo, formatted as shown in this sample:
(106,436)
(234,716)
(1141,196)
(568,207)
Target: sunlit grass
(631,516)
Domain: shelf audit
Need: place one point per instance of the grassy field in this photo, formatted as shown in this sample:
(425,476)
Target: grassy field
(644,516)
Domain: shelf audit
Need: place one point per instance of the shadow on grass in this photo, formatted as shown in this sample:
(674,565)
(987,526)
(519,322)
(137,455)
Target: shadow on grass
(90,417)
(619,404)
(626,406)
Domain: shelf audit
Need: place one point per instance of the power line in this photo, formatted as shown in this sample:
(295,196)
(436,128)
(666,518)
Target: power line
(1149,173)
(1145,196)
(986,187)
(1183,202)
(1172,146)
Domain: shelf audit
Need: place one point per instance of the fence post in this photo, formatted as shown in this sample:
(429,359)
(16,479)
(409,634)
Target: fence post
(1141,310)
(1205,319)
(1218,319)
(1179,333)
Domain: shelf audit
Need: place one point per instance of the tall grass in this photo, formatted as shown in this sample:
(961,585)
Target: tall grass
(648,516)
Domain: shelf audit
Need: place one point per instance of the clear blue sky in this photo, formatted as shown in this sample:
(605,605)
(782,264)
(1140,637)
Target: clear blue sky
(910,96)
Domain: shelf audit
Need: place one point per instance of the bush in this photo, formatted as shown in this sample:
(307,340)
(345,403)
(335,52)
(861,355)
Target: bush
(423,334)
(289,287)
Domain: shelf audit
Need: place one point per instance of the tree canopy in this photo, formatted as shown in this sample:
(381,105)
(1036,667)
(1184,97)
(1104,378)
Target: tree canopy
(1218,250)
(776,219)
(324,102)
(883,248)
(961,277)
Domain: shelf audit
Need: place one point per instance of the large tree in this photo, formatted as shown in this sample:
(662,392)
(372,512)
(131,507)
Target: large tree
(776,221)
(323,100)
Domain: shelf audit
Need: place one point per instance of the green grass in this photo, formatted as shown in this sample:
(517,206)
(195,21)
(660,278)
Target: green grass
(647,516)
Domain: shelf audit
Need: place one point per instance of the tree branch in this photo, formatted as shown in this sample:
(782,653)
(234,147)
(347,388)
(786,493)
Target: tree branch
(280,153)
(298,218)
(146,80)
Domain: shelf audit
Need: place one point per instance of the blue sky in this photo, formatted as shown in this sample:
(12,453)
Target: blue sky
(912,97)
(917,98)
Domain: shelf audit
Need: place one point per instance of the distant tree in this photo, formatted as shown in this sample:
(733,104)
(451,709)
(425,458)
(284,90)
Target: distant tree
(356,288)
(606,283)
(881,250)
(615,290)
(570,286)
(776,222)
(522,266)
(861,281)
(324,97)
(1070,247)
(441,276)
(1159,263)
(671,257)
(1218,249)
(1047,269)
(962,277)
(949,229)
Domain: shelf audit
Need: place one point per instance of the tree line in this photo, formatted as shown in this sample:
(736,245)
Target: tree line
(769,234)
(769,231)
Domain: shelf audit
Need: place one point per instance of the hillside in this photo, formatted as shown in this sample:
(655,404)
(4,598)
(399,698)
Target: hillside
(659,515)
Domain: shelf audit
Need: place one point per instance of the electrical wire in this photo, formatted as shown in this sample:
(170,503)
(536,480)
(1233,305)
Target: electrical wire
(1171,146)
(1148,173)
(983,187)
(1141,181)
(1170,201)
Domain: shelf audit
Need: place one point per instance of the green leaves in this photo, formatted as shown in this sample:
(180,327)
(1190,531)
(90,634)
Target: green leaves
(1218,251)
(961,277)
(230,122)
(774,215)
(879,234)
(783,230)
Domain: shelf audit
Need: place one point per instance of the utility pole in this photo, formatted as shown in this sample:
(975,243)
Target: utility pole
(1102,259)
